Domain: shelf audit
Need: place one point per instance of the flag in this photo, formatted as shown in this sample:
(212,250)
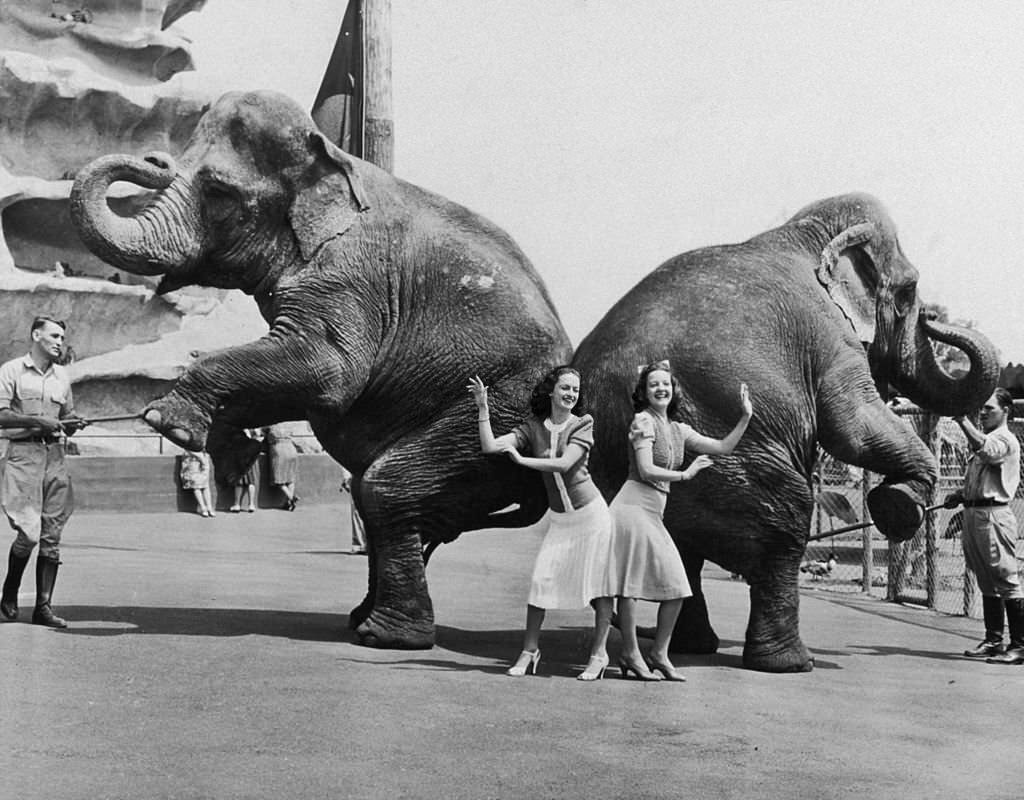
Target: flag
(337,110)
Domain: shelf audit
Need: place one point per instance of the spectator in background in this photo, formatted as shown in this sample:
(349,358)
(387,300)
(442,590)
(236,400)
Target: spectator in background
(243,473)
(283,459)
(990,527)
(358,531)
(195,477)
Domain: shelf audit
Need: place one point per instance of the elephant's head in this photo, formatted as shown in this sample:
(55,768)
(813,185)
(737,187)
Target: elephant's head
(257,187)
(865,273)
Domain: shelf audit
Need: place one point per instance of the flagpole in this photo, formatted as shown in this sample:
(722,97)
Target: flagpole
(377,116)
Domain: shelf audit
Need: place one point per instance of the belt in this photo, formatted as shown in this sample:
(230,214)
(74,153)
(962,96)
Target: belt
(984,503)
(39,439)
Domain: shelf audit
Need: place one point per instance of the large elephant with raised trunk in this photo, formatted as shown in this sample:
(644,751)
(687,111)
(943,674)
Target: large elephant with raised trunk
(815,316)
(381,299)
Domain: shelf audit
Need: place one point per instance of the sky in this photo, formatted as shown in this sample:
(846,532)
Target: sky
(607,137)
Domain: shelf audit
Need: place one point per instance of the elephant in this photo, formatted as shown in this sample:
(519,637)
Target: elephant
(818,316)
(381,298)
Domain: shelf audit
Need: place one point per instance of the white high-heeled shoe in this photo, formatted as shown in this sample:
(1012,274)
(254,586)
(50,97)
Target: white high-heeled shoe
(526,663)
(595,669)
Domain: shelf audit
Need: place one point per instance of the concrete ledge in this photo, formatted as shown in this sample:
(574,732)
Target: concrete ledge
(150,483)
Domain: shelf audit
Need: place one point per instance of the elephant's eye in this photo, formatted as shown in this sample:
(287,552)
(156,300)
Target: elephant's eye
(904,298)
(220,202)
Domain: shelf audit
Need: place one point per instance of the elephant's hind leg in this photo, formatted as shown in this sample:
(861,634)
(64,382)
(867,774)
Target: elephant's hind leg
(773,641)
(693,632)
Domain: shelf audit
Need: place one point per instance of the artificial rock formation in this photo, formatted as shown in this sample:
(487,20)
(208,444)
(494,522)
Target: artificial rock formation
(79,80)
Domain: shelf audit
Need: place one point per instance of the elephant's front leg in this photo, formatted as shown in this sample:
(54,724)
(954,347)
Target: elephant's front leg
(270,368)
(773,641)
(858,428)
(398,496)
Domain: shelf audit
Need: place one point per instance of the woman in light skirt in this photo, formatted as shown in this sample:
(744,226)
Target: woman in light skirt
(571,568)
(644,562)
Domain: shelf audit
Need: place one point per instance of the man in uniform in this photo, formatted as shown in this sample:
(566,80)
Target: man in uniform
(990,528)
(36,411)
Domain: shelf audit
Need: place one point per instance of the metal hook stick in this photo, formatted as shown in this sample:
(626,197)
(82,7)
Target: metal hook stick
(860,526)
(114,418)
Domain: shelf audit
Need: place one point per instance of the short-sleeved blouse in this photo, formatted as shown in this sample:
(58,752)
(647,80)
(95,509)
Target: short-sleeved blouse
(666,439)
(537,437)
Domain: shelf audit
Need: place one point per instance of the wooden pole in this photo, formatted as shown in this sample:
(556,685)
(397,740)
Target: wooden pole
(378,122)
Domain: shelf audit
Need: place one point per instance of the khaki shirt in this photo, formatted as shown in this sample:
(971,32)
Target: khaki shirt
(993,471)
(24,389)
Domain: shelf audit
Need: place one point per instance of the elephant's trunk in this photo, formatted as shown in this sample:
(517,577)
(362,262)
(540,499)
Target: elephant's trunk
(149,243)
(926,383)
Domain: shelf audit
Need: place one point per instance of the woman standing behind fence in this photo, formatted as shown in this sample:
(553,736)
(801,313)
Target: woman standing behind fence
(990,527)
(283,458)
(195,477)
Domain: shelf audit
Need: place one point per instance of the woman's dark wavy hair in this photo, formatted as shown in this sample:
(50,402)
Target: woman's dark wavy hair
(640,391)
(540,400)
(1005,399)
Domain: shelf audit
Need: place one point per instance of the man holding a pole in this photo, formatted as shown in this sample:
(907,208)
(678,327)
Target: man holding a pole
(990,528)
(36,412)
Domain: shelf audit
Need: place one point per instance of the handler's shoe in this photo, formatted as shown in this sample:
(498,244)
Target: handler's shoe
(986,649)
(1013,655)
(43,615)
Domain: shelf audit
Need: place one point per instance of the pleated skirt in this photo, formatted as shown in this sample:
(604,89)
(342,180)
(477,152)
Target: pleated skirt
(644,562)
(572,565)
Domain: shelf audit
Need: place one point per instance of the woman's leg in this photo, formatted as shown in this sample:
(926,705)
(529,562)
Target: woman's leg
(602,625)
(627,627)
(668,613)
(530,654)
(631,660)
(252,497)
(207,504)
(238,489)
(198,495)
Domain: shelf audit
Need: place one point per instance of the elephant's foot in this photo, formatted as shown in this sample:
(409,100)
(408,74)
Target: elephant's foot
(358,615)
(790,657)
(390,630)
(896,510)
(179,421)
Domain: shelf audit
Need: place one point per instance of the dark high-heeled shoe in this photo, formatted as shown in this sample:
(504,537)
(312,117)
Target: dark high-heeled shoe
(640,673)
(666,668)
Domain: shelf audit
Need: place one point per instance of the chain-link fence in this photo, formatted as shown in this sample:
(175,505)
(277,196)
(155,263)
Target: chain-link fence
(928,569)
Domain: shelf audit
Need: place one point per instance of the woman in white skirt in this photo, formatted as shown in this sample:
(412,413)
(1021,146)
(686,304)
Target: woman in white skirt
(644,562)
(571,567)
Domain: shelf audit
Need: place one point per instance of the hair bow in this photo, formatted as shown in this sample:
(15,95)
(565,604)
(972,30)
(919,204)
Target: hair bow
(663,364)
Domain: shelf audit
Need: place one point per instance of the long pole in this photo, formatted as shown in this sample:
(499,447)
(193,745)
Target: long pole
(378,118)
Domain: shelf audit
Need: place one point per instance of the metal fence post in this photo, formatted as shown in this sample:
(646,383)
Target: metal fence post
(930,433)
(867,556)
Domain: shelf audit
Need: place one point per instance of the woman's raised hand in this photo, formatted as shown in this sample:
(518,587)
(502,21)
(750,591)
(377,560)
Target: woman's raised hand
(510,449)
(745,404)
(478,390)
(699,463)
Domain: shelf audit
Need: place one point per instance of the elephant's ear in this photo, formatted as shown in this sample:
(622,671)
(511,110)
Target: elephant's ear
(329,206)
(851,290)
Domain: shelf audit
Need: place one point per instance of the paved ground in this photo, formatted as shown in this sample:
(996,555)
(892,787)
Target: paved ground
(211,659)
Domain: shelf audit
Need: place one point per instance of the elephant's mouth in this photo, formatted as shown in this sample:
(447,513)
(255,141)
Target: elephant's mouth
(172,281)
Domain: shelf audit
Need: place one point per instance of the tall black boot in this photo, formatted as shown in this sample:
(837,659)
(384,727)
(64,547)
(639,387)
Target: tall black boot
(15,569)
(993,644)
(1015,618)
(46,576)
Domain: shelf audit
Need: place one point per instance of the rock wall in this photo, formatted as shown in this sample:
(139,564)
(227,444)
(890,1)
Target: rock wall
(80,80)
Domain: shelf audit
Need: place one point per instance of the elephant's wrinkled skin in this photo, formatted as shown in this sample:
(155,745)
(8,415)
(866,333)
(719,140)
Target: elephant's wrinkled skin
(813,315)
(381,299)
